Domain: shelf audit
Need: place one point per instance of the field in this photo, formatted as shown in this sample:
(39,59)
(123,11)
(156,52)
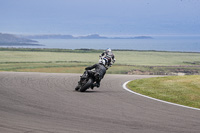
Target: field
(74,61)
(183,90)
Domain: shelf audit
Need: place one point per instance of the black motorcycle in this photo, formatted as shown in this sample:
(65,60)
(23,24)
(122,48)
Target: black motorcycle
(86,81)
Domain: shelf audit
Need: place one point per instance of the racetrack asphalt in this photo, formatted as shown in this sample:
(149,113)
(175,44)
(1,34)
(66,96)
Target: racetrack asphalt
(47,103)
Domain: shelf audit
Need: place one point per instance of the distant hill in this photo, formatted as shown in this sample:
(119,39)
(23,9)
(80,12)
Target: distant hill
(58,36)
(142,37)
(9,38)
(136,37)
(14,40)
(26,40)
(92,36)
(51,36)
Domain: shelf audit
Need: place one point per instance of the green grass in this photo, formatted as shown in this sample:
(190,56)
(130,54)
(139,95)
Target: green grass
(19,59)
(147,58)
(24,56)
(183,90)
(150,58)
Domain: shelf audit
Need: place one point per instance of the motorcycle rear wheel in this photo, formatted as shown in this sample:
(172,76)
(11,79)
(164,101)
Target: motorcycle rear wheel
(87,85)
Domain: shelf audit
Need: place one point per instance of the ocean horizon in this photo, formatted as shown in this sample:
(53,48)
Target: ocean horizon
(180,44)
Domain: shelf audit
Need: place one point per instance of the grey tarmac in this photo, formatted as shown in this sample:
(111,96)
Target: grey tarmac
(47,103)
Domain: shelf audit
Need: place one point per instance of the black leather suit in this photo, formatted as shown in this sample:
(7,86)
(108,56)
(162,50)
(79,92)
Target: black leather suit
(100,71)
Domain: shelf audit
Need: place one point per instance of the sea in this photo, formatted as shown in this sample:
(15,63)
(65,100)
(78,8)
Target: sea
(158,43)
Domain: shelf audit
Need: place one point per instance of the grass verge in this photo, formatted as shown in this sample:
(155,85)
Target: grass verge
(184,90)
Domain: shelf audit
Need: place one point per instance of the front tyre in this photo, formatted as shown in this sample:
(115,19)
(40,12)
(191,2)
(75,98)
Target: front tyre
(87,85)
(77,88)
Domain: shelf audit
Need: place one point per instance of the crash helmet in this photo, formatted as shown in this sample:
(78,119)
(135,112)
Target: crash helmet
(108,50)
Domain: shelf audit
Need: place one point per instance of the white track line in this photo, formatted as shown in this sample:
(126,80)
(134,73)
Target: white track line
(124,86)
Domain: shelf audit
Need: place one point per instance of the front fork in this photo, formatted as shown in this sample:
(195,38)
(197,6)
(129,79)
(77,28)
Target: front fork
(84,76)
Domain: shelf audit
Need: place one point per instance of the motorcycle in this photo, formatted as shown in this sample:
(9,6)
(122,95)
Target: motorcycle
(86,81)
(90,78)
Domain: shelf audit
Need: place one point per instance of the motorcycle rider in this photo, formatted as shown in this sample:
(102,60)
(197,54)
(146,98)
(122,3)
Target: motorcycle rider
(99,72)
(108,56)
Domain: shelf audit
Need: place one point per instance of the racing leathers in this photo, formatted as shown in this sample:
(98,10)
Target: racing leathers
(100,71)
(108,57)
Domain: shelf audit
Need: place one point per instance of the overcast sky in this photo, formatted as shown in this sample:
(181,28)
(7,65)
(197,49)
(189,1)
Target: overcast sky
(105,17)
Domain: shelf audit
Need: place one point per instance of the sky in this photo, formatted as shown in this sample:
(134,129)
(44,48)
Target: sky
(104,17)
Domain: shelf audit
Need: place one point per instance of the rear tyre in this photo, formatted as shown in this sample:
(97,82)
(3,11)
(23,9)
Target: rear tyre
(87,85)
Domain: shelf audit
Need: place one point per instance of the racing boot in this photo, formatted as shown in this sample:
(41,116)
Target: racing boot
(96,85)
(92,86)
